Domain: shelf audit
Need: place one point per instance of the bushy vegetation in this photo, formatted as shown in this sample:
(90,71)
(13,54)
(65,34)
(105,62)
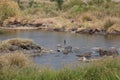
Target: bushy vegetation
(16,66)
(8,8)
(14,60)
(18,44)
(96,13)
(59,3)
(48,8)
(5,45)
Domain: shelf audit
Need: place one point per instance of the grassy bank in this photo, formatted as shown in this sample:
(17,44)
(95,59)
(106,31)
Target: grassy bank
(17,66)
(100,14)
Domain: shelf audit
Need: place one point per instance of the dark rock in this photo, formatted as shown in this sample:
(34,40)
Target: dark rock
(86,55)
(59,29)
(110,52)
(68,48)
(13,48)
(113,51)
(73,29)
(65,51)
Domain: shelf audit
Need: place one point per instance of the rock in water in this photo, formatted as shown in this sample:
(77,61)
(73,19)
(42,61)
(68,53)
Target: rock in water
(17,44)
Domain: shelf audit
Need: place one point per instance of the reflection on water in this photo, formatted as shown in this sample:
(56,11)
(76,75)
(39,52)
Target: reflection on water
(51,39)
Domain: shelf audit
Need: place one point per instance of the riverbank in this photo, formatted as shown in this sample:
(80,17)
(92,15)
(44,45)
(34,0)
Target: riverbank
(109,25)
(21,68)
(81,17)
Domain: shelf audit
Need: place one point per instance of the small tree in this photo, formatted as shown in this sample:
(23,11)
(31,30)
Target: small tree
(59,3)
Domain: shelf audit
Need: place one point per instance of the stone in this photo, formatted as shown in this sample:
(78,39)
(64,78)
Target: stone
(110,52)
(85,54)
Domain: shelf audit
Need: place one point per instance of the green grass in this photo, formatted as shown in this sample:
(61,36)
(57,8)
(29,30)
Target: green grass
(5,32)
(1,31)
(49,8)
(104,69)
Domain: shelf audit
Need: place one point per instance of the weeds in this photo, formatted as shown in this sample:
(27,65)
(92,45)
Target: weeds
(104,69)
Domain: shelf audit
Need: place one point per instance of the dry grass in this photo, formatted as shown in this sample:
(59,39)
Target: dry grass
(19,41)
(16,59)
(8,10)
(104,69)
(84,14)
(114,28)
(98,20)
(62,22)
(88,16)
(110,21)
(6,45)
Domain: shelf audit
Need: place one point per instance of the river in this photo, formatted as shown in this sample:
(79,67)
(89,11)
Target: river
(50,40)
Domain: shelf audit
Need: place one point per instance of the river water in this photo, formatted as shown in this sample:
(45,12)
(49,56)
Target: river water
(50,40)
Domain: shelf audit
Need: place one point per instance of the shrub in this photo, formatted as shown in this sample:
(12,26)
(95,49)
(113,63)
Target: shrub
(16,60)
(59,3)
(87,17)
(8,9)
(114,28)
(96,2)
(18,44)
(71,3)
(31,3)
(108,22)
